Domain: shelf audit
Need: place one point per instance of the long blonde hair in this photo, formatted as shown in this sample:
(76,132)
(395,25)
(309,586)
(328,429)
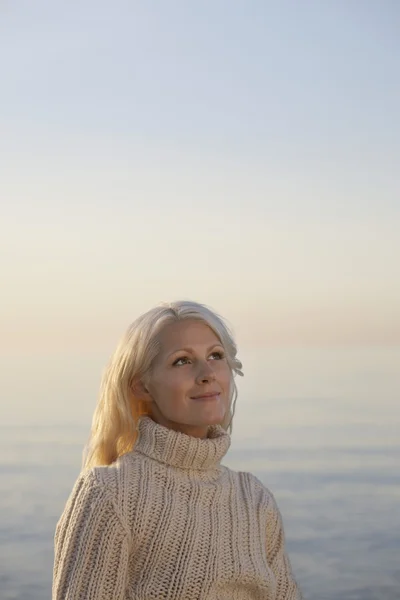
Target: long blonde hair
(114,425)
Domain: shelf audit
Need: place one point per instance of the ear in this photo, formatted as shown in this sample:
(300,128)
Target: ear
(139,390)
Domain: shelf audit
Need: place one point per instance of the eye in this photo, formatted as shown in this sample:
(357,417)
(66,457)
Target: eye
(182,360)
(219,354)
(178,360)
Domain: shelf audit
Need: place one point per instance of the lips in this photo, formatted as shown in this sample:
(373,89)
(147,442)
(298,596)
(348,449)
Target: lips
(205,395)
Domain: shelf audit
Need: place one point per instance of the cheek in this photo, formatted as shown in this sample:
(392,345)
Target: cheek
(176,380)
(224,374)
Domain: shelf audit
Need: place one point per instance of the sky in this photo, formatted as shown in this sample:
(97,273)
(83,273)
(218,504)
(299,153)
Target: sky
(240,154)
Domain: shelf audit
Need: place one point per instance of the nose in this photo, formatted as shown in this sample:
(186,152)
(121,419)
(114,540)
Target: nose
(205,374)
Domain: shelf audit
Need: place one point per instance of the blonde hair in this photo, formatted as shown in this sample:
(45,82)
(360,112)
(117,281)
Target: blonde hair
(115,420)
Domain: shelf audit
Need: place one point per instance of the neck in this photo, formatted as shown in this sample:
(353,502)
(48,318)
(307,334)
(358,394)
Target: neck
(191,430)
(178,449)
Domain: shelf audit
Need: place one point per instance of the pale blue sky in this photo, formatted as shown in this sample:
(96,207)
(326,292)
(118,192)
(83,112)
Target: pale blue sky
(243,154)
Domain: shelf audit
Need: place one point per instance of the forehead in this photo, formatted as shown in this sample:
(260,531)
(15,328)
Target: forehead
(186,333)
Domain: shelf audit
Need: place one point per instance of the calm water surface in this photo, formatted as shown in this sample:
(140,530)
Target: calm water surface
(332,462)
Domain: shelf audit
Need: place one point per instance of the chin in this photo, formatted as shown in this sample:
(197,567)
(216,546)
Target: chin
(217,420)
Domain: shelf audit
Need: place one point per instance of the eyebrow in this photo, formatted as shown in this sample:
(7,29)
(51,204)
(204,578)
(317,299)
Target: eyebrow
(191,351)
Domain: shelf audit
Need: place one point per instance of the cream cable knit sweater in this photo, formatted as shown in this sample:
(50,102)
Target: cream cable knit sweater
(167,521)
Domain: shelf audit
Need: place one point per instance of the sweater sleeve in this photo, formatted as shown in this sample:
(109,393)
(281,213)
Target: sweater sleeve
(278,559)
(91,546)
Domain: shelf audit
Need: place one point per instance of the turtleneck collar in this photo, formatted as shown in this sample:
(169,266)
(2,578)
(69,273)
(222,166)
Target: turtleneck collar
(179,449)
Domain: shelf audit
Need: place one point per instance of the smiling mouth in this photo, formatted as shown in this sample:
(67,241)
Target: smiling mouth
(212,396)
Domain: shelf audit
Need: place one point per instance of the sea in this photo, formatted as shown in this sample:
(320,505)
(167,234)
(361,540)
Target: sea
(319,426)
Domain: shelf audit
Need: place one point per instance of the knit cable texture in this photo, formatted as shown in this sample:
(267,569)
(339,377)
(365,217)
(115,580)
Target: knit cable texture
(167,521)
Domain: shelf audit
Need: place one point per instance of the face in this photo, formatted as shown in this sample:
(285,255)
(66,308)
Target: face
(191,364)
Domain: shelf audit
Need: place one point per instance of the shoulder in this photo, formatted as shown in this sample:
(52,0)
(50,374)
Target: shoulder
(102,488)
(90,504)
(262,495)
(112,477)
(114,480)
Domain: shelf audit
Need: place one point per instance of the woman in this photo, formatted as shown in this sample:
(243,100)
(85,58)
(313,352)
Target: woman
(153,514)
